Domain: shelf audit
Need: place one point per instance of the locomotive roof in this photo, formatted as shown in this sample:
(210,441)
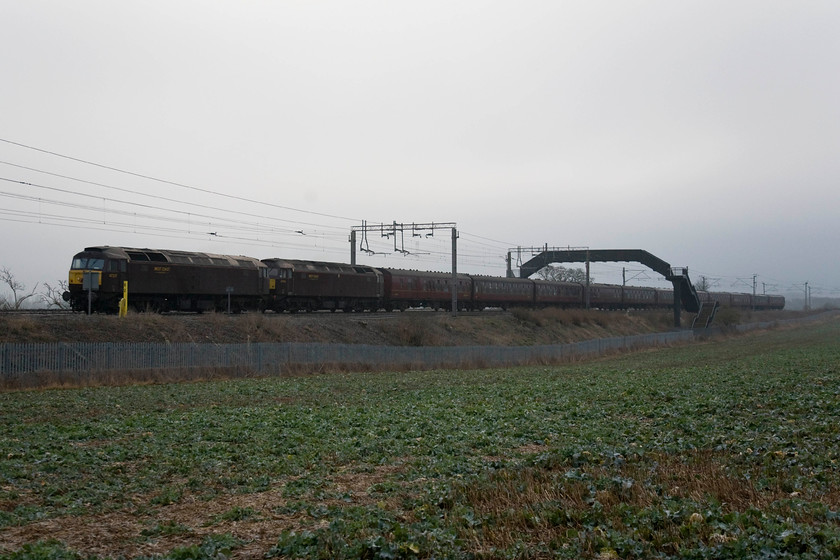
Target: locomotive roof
(322,266)
(179,257)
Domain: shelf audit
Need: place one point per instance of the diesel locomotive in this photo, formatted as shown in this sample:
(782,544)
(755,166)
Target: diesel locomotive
(165,280)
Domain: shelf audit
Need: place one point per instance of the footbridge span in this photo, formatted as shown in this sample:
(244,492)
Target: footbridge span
(685,296)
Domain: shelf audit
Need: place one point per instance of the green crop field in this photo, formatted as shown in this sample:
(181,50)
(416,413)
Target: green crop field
(721,449)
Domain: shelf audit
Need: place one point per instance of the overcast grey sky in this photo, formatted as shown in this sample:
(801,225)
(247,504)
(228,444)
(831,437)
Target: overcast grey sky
(707,133)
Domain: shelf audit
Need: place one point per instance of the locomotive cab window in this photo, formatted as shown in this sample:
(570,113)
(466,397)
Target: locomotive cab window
(88,263)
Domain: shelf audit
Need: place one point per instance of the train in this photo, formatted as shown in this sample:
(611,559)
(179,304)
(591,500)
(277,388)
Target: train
(169,280)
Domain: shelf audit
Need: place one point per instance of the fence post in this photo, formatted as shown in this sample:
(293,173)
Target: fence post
(60,359)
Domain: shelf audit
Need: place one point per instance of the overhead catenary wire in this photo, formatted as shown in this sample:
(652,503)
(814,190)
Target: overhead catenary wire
(191,215)
(478,257)
(191,204)
(176,184)
(231,223)
(92,225)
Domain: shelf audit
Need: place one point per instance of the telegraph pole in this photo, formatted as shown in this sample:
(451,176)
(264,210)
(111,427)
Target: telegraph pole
(587,279)
(454,272)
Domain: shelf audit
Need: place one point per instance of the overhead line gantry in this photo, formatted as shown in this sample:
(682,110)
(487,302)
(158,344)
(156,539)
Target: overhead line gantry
(399,229)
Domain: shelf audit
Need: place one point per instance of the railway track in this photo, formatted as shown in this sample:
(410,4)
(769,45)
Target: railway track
(34,312)
(337,315)
(390,314)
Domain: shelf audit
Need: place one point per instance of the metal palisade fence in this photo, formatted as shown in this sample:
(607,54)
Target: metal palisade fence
(67,359)
(24,365)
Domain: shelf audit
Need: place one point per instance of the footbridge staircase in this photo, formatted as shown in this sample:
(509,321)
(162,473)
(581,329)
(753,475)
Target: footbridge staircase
(703,319)
(685,296)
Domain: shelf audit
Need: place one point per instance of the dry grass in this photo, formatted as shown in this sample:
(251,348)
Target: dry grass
(601,323)
(22,328)
(520,327)
(416,330)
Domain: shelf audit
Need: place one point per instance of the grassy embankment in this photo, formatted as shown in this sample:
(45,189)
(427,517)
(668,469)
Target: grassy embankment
(722,449)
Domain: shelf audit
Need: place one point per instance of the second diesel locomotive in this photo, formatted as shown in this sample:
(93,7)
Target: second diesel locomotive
(165,280)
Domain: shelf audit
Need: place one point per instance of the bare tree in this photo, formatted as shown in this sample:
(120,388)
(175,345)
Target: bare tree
(703,284)
(563,274)
(19,294)
(53,296)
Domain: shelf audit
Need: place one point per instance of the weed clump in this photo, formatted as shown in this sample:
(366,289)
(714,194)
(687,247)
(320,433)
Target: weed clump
(414,331)
(728,317)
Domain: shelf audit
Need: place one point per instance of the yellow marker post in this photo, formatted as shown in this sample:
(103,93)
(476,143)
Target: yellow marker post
(124,300)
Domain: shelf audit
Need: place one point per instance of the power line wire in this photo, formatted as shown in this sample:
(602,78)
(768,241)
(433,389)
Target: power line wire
(231,223)
(176,184)
(158,197)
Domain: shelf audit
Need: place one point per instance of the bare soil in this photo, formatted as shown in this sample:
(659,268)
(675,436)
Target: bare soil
(119,534)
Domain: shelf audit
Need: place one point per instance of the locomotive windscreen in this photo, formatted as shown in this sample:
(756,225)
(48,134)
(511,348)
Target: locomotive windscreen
(88,263)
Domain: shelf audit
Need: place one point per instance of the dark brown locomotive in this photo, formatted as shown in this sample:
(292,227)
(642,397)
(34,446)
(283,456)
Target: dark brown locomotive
(309,286)
(167,280)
